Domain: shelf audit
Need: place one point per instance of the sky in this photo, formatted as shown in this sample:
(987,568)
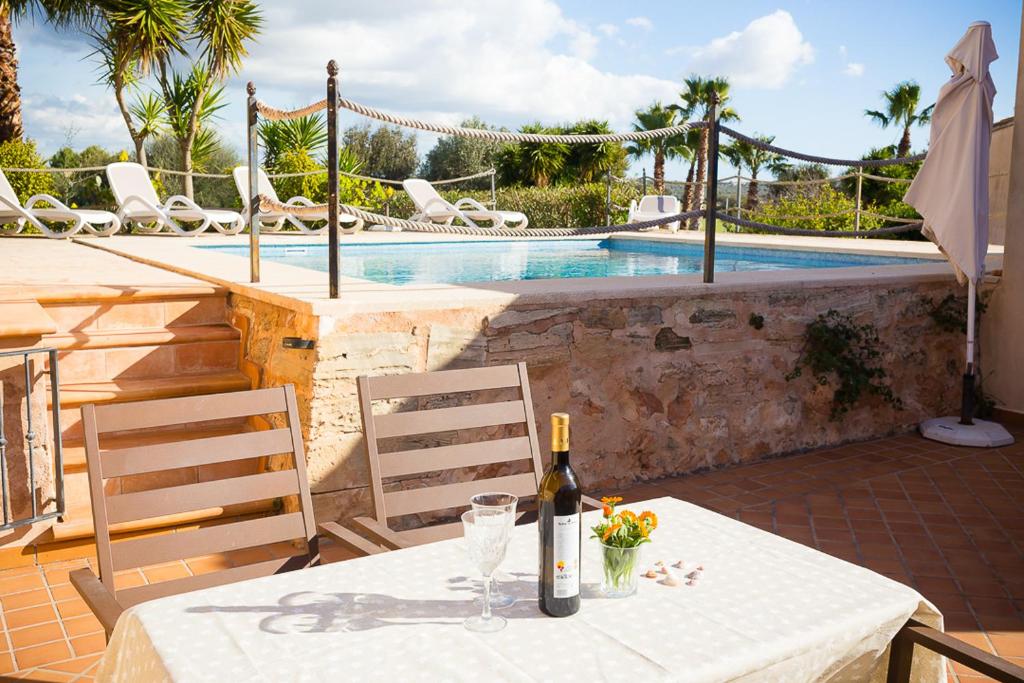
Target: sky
(802,70)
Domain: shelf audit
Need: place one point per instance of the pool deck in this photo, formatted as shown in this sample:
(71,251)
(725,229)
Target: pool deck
(306,290)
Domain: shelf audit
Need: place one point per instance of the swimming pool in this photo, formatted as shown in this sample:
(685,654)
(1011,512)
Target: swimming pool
(460,262)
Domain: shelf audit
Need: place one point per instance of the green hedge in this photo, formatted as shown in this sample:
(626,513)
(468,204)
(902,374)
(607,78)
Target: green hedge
(577,206)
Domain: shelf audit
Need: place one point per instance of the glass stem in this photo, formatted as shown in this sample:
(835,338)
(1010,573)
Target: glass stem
(487,598)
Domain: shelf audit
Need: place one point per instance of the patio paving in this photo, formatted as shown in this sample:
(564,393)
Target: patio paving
(947,521)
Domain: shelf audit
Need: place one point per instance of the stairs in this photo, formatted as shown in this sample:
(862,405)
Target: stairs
(117,346)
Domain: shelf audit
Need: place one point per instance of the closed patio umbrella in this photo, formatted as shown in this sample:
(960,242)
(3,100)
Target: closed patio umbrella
(951,194)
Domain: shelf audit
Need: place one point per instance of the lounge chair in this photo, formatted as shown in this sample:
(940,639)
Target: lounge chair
(108,467)
(138,203)
(276,219)
(430,206)
(389,468)
(655,206)
(101,223)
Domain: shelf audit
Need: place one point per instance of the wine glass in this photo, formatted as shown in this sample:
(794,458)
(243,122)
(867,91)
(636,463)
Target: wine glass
(486,534)
(505,502)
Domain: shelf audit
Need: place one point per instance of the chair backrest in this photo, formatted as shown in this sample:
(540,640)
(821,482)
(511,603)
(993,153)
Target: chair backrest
(659,203)
(422,459)
(263,184)
(129,179)
(7,192)
(205,454)
(425,197)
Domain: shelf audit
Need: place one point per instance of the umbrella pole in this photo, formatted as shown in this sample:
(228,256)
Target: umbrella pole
(967,397)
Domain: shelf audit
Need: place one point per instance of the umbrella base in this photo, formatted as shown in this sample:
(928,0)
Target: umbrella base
(981,434)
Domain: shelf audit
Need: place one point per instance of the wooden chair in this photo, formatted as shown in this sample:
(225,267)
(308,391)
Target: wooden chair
(103,598)
(402,463)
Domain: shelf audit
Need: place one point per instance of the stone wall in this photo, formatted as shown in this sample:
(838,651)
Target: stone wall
(657,386)
(16,409)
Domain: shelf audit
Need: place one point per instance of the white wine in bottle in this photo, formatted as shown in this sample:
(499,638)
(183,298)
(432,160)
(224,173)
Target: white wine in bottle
(559,498)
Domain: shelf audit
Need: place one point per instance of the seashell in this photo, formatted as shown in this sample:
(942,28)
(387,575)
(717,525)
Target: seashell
(694,575)
(651,574)
(679,565)
(659,563)
(669,580)
(700,567)
(691,582)
(663,570)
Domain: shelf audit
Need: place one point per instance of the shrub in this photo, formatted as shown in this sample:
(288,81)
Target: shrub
(821,206)
(83,189)
(23,154)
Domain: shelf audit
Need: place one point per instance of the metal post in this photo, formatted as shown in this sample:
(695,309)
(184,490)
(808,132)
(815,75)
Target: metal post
(58,445)
(30,435)
(3,456)
(608,199)
(644,178)
(967,395)
(856,213)
(332,176)
(709,220)
(494,192)
(254,192)
(739,195)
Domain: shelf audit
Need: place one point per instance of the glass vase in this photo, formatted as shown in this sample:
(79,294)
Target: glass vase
(621,571)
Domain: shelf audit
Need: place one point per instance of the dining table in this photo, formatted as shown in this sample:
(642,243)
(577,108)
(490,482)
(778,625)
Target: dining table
(763,609)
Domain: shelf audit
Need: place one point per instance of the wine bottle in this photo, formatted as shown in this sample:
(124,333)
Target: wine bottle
(559,498)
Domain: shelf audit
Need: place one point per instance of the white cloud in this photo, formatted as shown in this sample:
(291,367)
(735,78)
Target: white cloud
(510,61)
(854,69)
(765,54)
(608,30)
(54,120)
(641,22)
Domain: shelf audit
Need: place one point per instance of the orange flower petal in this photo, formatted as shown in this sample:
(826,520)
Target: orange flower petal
(610,530)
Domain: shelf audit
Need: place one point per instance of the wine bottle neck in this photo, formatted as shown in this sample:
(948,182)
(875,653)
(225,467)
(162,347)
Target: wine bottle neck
(560,458)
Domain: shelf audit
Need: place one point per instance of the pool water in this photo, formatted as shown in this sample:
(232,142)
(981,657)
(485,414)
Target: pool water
(460,262)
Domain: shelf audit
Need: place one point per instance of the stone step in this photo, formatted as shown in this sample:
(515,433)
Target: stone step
(73,395)
(146,313)
(138,362)
(122,339)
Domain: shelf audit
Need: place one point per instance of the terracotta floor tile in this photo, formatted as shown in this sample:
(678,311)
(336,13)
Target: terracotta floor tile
(36,635)
(129,579)
(6,663)
(24,582)
(72,608)
(166,572)
(1008,645)
(30,616)
(83,625)
(90,644)
(48,676)
(32,657)
(24,599)
(76,665)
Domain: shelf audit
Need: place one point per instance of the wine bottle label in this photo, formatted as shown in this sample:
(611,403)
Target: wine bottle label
(566,556)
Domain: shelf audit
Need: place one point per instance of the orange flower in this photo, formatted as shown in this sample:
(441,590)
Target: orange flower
(612,500)
(610,530)
(648,519)
(607,509)
(628,515)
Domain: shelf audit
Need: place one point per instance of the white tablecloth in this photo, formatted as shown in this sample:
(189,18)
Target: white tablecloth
(766,609)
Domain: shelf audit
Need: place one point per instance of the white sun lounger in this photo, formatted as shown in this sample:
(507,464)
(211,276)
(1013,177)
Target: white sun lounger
(138,203)
(101,223)
(653,207)
(430,206)
(276,219)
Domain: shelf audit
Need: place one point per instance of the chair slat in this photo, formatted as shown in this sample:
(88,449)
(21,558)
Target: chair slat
(117,417)
(133,596)
(208,450)
(401,463)
(449,419)
(431,533)
(455,495)
(140,552)
(208,494)
(443,382)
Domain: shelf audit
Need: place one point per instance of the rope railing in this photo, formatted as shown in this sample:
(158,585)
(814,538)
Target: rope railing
(269,205)
(508,136)
(827,161)
(274,114)
(806,232)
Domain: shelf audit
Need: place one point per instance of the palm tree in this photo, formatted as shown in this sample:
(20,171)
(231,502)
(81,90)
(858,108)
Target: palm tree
(60,13)
(540,162)
(697,101)
(901,104)
(667,147)
(742,154)
(589,162)
(690,150)
(304,135)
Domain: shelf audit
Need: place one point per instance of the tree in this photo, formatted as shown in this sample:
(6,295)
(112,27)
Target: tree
(386,152)
(657,116)
(305,135)
(697,103)
(455,156)
(588,163)
(743,154)
(61,14)
(901,104)
(533,163)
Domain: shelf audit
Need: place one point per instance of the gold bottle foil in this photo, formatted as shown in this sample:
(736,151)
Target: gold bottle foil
(559,432)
